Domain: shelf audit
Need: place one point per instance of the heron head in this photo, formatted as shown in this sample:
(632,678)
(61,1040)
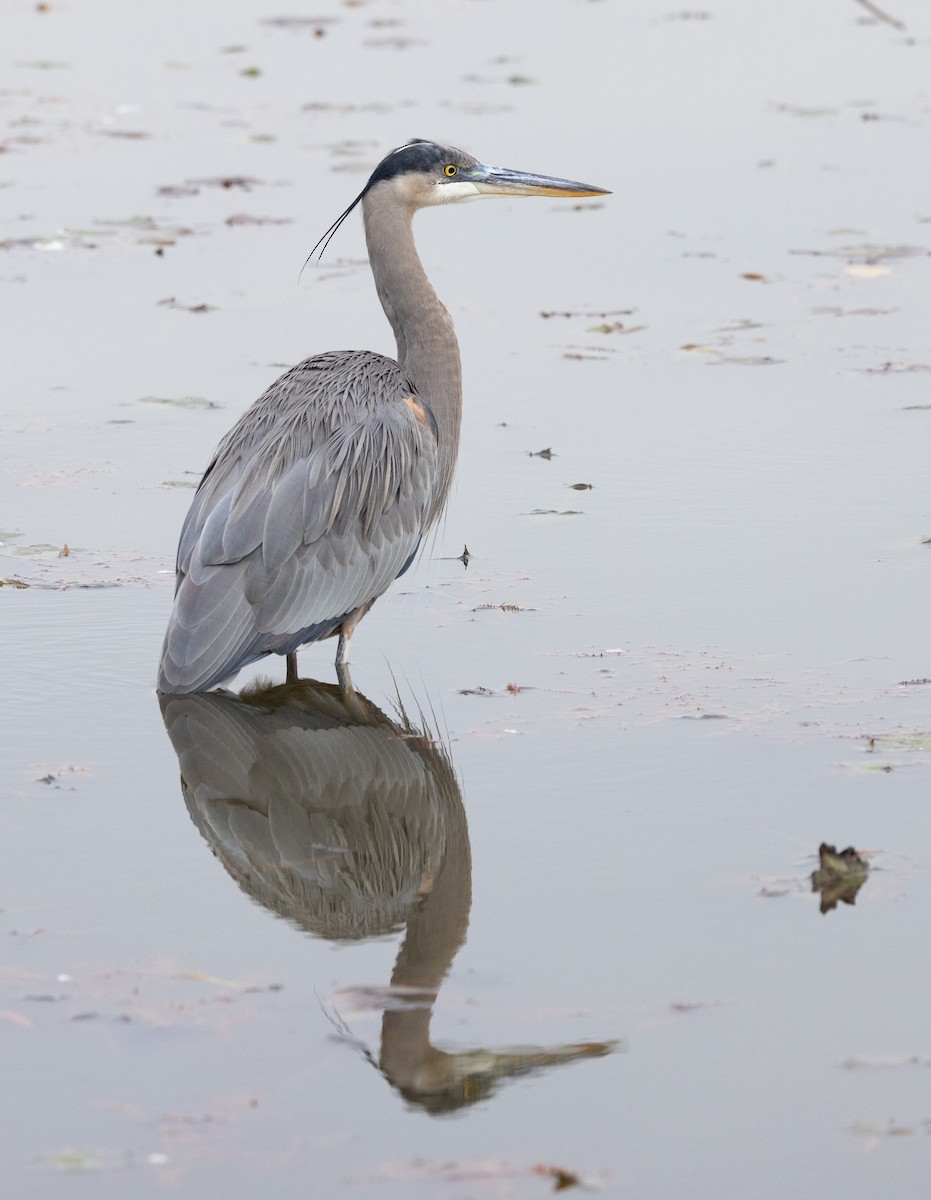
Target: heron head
(421,173)
(425,173)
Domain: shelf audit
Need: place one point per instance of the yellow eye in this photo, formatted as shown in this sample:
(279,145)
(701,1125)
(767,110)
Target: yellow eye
(450,169)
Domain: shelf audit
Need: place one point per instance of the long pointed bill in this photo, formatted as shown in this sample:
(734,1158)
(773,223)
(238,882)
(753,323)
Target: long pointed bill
(499,181)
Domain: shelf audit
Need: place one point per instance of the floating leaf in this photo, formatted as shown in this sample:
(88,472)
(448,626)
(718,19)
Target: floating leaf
(800,110)
(868,252)
(247,219)
(886,1127)
(834,310)
(615,327)
(200,977)
(885,1061)
(313,25)
(740,325)
(79,1161)
(899,741)
(171,302)
(33,551)
(562,1178)
(180,401)
(617,312)
(750,360)
(898,368)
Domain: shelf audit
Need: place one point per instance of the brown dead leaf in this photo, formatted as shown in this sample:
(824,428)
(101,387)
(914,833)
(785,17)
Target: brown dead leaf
(839,877)
(562,1178)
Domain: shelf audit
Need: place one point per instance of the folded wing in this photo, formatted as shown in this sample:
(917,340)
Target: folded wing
(307,514)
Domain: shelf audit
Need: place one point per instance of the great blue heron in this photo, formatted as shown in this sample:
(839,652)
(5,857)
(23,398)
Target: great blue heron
(318,497)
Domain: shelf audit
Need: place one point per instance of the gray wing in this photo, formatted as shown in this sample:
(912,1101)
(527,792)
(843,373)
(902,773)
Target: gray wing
(333,823)
(314,503)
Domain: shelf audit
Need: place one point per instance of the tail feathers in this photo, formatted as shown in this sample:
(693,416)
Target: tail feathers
(212,633)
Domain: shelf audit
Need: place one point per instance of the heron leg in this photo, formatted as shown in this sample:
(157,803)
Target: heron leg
(291,675)
(344,679)
(346,631)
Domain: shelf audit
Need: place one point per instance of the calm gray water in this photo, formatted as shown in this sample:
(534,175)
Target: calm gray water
(558,917)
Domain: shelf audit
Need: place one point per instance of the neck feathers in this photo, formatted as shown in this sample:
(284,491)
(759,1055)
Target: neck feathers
(428,352)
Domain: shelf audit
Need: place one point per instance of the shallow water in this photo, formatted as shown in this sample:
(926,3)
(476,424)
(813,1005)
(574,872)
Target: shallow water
(634,717)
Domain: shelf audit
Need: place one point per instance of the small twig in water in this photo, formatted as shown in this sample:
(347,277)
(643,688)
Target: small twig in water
(878,13)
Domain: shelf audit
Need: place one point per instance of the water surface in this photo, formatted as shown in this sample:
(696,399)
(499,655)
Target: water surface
(563,849)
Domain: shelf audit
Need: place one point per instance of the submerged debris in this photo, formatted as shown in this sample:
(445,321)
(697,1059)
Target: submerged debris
(249,219)
(191,187)
(897,368)
(180,401)
(615,327)
(484,1171)
(615,312)
(868,254)
(171,302)
(872,1061)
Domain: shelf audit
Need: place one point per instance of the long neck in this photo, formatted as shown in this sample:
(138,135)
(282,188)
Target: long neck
(427,348)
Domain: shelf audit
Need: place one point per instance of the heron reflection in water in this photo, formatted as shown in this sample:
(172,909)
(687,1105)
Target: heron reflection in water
(350,824)
(318,498)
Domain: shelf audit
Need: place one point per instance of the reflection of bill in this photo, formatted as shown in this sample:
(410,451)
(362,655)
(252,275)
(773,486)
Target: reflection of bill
(351,825)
